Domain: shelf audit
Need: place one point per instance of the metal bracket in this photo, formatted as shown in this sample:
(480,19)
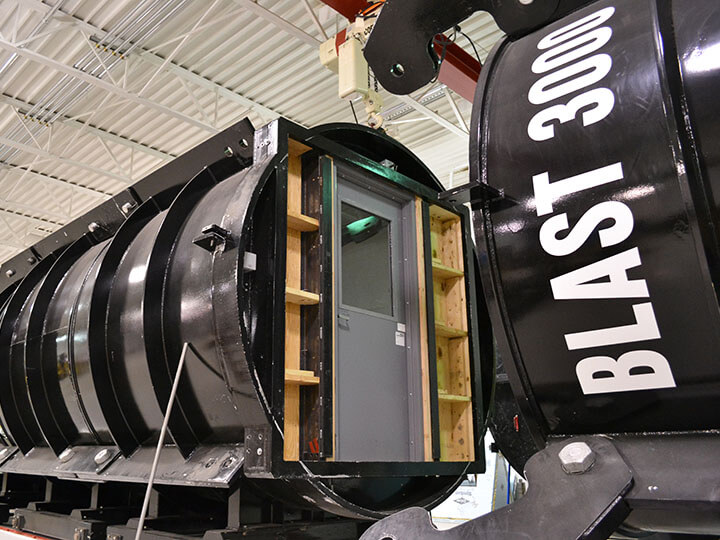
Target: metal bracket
(212,237)
(414,23)
(586,503)
(258,447)
(475,192)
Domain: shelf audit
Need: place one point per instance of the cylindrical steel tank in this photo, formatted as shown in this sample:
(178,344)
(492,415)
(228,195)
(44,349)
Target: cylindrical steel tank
(600,257)
(91,337)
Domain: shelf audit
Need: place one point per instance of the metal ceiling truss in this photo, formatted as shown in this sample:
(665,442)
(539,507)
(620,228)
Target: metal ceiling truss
(181,72)
(113,76)
(28,170)
(115,82)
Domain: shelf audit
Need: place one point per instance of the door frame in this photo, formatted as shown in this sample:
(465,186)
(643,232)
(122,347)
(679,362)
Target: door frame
(365,180)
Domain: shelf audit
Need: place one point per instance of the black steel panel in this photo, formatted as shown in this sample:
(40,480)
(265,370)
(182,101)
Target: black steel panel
(14,400)
(186,425)
(73,299)
(47,372)
(235,304)
(119,364)
(640,136)
(696,104)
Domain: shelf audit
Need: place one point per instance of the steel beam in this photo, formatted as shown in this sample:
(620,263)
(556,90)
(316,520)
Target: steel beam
(347,8)
(455,109)
(278,21)
(444,122)
(459,70)
(315,20)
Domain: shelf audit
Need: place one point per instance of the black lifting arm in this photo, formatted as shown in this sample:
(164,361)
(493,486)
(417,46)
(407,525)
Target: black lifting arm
(414,23)
(577,491)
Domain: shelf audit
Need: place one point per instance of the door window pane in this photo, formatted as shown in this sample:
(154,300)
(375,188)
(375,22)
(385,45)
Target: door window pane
(366,260)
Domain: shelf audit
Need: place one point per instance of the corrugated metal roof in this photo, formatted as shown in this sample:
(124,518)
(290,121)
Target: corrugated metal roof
(182,70)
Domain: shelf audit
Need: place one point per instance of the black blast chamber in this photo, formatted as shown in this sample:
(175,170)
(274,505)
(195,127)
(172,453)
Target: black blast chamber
(198,257)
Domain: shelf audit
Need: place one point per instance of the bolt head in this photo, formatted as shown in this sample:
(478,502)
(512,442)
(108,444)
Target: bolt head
(66,455)
(94,226)
(229,151)
(576,458)
(127,207)
(102,456)
(31,260)
(10,272)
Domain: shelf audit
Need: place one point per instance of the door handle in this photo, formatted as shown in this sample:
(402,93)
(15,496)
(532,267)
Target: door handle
(344,318)
(344,321)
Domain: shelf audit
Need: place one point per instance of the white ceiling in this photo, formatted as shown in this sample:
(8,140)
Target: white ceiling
(79,123)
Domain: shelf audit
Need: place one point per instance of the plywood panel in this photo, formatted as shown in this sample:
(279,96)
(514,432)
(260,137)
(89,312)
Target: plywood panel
(439,300)
(459,368)
(445,423)
(441,355)
(462,437)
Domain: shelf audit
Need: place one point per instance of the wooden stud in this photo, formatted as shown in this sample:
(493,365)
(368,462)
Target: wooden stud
(302,223)
(424,353)
(442,215)
(301,377)
(296,148)
(300,297)
(291,447)
(293,276)
(445,272)
(448,331)
(453,397)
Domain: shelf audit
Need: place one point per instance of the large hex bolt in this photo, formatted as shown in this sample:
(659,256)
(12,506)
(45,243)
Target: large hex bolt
(81,534)
(66,455)
(17,522)
(576,458)
(102,456)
